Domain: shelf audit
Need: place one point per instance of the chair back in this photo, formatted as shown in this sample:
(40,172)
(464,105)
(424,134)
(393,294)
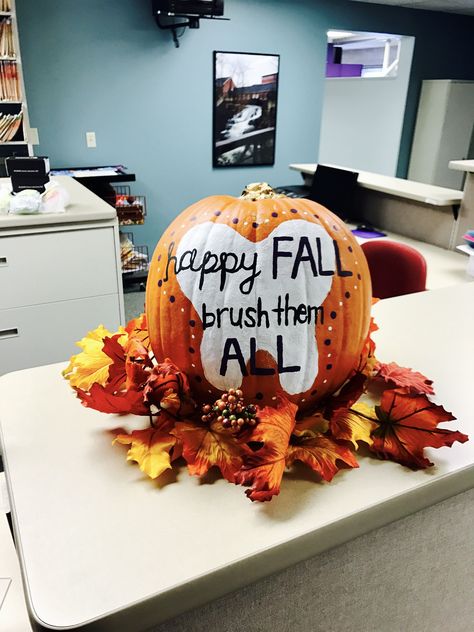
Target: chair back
(395,268)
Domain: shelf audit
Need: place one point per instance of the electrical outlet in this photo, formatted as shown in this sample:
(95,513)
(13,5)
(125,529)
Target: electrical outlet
(90,139)
(33,136)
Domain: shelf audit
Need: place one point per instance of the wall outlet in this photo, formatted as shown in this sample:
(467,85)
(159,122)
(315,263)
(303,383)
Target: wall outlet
(90,139)
(33,136)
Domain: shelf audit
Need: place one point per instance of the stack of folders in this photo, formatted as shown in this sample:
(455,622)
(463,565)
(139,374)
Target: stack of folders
(9,84)
(7,48)
(9,126)
(5,5)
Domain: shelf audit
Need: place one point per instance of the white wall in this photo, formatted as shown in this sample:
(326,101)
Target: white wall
(362,119)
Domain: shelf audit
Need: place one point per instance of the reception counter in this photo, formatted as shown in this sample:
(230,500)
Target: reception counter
(102,548)
(420,211)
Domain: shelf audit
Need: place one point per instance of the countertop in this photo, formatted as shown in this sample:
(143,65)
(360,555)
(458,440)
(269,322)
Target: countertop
(84,206)
(462,165)
(408,189)
(130,547)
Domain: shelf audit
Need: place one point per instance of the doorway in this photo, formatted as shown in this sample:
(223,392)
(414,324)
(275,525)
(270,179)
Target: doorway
(366,85)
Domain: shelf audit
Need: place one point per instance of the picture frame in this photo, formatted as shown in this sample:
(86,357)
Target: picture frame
(245,99)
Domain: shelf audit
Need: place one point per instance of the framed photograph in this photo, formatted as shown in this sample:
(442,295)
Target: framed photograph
(244,109)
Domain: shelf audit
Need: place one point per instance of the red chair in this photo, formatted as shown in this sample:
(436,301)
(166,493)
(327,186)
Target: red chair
(395,268)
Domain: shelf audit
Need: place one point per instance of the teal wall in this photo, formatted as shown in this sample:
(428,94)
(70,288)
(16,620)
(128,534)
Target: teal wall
(103,66)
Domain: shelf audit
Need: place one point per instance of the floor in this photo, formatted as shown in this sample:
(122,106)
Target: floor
(134,304)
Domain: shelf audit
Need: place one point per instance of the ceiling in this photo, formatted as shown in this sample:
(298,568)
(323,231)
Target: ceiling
(453,6)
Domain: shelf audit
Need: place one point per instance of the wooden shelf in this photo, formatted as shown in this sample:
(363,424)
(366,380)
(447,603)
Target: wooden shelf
(15,142)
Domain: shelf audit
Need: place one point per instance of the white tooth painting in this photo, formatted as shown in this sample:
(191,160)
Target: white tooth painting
(264,296)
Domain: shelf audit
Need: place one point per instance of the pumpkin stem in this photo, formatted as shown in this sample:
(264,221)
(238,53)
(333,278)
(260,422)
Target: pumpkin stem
(259,191)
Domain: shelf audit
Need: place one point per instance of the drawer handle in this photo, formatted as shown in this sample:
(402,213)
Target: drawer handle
(3,261)
(9,333)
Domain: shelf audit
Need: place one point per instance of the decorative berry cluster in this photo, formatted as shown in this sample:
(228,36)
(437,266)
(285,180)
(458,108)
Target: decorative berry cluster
(231,411)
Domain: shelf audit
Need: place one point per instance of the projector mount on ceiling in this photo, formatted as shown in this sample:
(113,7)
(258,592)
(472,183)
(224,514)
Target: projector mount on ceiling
(190,21)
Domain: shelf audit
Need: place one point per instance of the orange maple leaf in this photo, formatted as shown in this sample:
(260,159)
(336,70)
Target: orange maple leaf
(408,424)
(416,383)
(106,400)
(137,329)
(264,466)
(207,445)
(353,425)
(150,448)
(320,453)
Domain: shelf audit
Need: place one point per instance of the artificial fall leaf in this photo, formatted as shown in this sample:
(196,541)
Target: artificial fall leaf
(348,395)
(138,365)
(114,350)
(137,329)
(415,383)
(320,453)
(167,387)
(263,468)
(150,448)
(105,400)
(315,421)
(367,359)
(92,365)
(207,445)
(353,425)
(408,424)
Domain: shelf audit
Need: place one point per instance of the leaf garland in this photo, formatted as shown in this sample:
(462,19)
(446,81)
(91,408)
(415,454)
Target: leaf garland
(251,446)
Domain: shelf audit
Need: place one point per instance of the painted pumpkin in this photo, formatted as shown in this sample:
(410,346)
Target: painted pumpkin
(261,292)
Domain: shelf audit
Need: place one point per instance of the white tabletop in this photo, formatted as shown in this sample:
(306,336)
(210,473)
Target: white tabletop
(95,536)
(408,189)
(462,165)
(84,206)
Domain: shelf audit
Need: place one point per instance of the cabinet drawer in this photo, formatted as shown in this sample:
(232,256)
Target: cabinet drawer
(57,266)
(43,334)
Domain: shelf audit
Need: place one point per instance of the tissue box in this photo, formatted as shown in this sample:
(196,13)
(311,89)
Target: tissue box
(26,166)
(20,183)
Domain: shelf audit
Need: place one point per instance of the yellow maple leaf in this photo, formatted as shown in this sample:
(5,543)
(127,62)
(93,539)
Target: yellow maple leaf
(92,364)
(354,424)
(150,448)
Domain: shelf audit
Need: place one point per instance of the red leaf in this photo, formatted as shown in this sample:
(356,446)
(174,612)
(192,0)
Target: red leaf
(263,468)
(416,383)
(116,353)
(320,453)
(106,401)
(407,425)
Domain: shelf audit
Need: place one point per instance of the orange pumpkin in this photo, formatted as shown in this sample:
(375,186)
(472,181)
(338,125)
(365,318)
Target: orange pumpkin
(263,293)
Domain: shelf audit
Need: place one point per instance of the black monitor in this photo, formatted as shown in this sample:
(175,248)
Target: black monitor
(335,189)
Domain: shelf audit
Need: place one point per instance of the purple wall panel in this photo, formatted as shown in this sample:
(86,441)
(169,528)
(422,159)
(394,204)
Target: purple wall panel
(343,70)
